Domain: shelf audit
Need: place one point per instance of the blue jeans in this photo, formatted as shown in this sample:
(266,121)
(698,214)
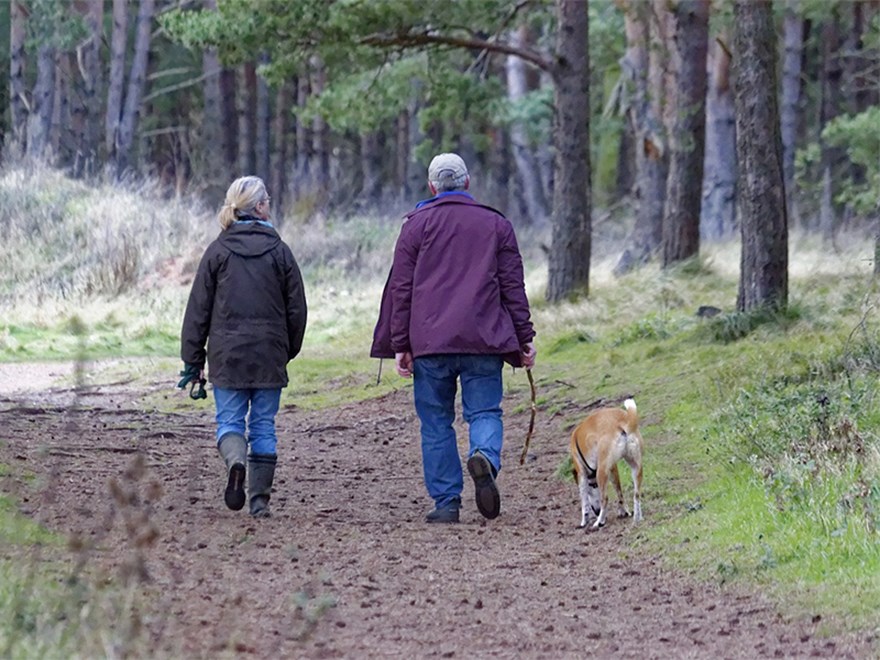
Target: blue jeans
(233,416)
(434,387)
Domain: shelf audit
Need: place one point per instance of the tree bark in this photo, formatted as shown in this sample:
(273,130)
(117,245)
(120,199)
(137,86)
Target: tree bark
(372,175)
(761,197)
(136,82)
(718,212)
(867,90)
(86,77)
(625,174)
(62,139)
(641,64)
(214,170)
(877,251)
(302,176)
(18,103)
(39,122)
(857,66)
(569,259)
(528,188)
(247,118)
(263,141)
(792,66)
(280,169)
(320,167)
(401,155)
(229,122)
(116,81)
(832,75)
(681,219)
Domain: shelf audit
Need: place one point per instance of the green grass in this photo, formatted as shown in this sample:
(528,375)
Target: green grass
(736,533)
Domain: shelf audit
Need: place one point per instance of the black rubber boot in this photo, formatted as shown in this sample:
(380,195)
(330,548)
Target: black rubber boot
(233,449)
(261,474)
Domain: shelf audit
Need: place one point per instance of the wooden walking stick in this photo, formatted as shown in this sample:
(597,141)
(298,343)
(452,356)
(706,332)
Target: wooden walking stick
(534,407)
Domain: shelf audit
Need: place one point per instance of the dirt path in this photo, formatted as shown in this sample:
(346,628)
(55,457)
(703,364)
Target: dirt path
(345,568)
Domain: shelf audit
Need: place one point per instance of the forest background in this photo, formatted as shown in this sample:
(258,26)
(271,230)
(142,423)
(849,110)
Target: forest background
(338,106)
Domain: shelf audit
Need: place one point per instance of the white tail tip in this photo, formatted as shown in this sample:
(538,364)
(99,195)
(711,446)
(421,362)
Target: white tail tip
(630,404)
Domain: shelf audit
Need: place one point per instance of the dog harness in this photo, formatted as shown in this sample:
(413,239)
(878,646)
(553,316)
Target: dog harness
(590,471)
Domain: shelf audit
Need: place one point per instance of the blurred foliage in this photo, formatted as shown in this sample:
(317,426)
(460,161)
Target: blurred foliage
(381,57)
(51,23)
(860,136)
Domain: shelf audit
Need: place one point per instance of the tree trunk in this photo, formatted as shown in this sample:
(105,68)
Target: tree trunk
(137,78)
(625,175)
(569,259)
(641,64)
(116,83)
(262,143)
(302,175)
(792,65)
(278,178)
(214,170)
(718,213)
(832,75)
(528,181)
(877,250)
(498,186)
(867,91)
(372,175)
(18,106)
(401,159)
(85,110)
(681,219)
(857,71)
(39,122)
(62,138)
(247,119)
(320,167)
(761,197)
(229,122)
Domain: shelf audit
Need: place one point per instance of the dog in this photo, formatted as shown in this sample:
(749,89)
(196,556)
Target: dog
(598,443)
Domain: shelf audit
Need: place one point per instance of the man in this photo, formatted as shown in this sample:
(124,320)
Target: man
(455,308)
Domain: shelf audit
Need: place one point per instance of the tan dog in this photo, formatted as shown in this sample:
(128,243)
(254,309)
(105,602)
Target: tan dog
(598,443)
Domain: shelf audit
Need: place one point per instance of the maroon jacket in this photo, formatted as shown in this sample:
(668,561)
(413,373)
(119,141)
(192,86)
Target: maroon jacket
(456,285)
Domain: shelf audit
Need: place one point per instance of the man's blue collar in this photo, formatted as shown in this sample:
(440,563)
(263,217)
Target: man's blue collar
(443,194)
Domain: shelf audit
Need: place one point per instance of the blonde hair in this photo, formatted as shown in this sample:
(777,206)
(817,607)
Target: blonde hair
(242,198)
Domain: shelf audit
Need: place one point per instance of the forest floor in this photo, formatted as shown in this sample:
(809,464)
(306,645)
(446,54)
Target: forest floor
(346,567)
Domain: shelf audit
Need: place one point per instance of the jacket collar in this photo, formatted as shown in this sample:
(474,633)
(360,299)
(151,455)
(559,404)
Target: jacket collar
(443,196)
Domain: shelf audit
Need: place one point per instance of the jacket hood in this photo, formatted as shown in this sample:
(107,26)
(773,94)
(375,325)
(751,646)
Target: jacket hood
(249,239)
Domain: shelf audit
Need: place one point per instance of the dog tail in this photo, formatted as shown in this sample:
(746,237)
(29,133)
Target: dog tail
(632,415)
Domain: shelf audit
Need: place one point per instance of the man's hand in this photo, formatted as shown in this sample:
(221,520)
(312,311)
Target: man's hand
(529,353)
(404,364)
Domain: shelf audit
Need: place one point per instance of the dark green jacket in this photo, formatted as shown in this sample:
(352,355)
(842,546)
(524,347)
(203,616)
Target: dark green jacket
(248,305)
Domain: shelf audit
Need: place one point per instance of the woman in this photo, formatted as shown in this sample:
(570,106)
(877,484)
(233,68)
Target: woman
(248,299)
